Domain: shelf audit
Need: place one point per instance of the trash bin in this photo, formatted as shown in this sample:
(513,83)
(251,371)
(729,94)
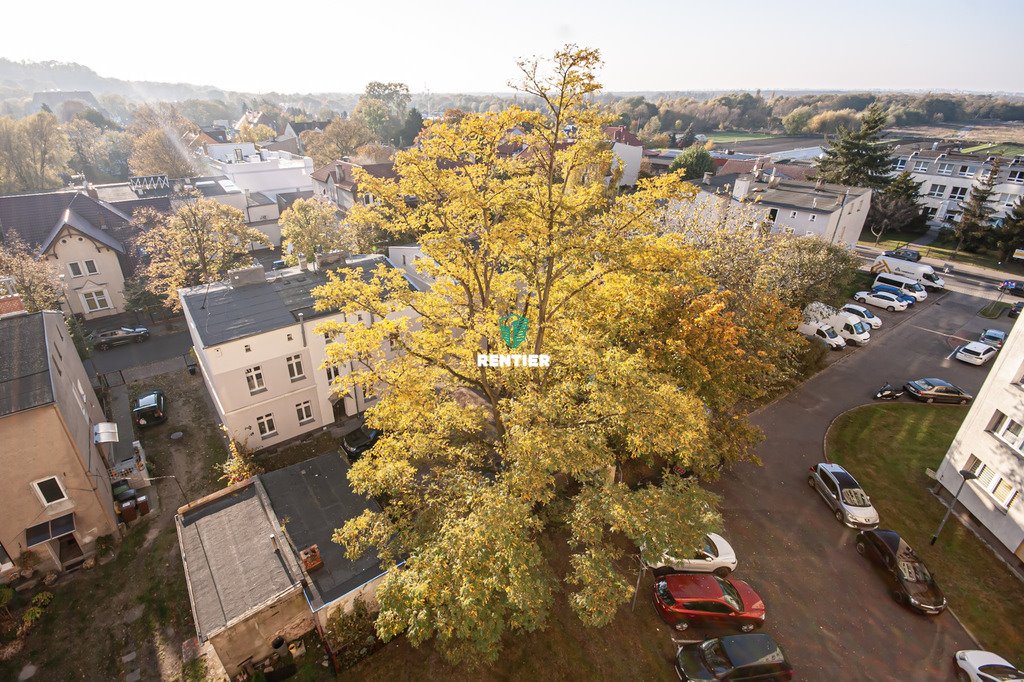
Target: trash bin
(142,504)
(129,511)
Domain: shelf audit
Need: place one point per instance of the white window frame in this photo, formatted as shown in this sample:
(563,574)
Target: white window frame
(90,271)
(988,481)
(812,217)
(958,193)
(94,306)
(254,379)
(42,498)
(1016,176)
(967,171)
(9,563)
(304,411)
(920,166)
(266,425)
(295,367)
(945,169)
(792,214)
(899,164)
(937,191)
(72,266)
(1001,431)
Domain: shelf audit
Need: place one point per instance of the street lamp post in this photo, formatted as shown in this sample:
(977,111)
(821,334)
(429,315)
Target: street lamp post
(967,476)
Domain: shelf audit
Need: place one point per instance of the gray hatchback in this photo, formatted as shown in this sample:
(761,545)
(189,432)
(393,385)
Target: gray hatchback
(843,494)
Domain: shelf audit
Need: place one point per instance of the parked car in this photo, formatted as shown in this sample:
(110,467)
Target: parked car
(904,254)
(910,581)
(117,337)
(753,658)
(973,665)
(898,293)
(715,556)
(1015,310)
(975,353)
(149,408)
(880,299)
(937,391)
(683,599)
(1013,287)
(850,504)
(921,273)
(359,441)
(868,317)
(906,285)
(993,337)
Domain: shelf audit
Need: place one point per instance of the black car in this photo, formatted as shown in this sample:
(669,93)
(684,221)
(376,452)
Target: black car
(937,391)
(1013,287)
(149,408)
(116,337)
(904,254)
(909,580)
(737,657)
(1015,310)
(359,441)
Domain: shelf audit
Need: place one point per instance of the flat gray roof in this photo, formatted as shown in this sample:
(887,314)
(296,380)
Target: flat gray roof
(24,366)
(802,194)
(312,499)
(231,563)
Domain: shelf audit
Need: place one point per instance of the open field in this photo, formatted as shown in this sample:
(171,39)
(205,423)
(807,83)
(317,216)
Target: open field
(725,137)
(978,131)
(997,149)
(887,448)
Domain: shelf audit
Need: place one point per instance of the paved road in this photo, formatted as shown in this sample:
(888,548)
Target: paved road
(158,347)
(826,605)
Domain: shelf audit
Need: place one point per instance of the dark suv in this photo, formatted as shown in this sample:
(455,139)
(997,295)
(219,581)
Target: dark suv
(755,658)
(904,254)
(359,441)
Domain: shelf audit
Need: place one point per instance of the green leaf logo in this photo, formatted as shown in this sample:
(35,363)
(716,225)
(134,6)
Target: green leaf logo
(513,329)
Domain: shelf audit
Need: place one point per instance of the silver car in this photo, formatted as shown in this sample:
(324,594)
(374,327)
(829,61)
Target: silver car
(840,490)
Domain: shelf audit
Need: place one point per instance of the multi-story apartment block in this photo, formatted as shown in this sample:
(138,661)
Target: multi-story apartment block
(990,444)
(947,175)
(56,486)
(260,357)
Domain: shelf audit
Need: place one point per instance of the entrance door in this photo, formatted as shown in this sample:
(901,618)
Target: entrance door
(69,551)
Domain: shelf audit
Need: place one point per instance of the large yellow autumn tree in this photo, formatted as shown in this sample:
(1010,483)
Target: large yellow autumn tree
(481,466)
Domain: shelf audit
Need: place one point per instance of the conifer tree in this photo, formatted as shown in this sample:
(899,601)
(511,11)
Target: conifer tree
(858,157)
(976,219)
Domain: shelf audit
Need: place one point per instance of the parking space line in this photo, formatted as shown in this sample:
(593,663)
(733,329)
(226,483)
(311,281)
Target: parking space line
(935,331)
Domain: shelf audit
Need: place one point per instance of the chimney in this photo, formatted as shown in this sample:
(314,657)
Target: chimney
(707,178)
(774,180)
(742,187)
(758,165)
(935,145)
(331,258)
(302,261)
(252,274)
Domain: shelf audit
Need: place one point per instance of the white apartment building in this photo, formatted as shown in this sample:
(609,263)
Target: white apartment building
(260,357)
(947,176)
(834,213)
(268,172)
(990,443)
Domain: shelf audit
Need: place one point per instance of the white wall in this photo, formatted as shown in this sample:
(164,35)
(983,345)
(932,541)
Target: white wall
(629,157)
(225,151)
(277,172)
(71,246)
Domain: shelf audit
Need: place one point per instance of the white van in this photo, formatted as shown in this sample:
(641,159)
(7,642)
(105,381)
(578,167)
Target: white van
(908,286)
(921,273)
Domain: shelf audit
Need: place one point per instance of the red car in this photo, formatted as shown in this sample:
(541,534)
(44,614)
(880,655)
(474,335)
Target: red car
(703,599)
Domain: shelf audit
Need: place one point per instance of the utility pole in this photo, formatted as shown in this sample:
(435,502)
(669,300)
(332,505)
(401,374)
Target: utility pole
(967,476)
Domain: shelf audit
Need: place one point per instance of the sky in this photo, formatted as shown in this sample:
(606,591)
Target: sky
(463,46)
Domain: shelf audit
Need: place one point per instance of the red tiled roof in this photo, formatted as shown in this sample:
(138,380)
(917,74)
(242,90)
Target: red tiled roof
(623,135)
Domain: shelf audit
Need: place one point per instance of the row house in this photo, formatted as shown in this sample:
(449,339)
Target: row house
(337,182)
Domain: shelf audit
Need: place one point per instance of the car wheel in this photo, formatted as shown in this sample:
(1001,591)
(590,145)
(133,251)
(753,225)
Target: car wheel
(140,339)
(862,549)
(722,571)
(964,401)
(102,346)
(898,598)
(681,625)
(891,309)
(810,481)
(929,400)
(747,627)
(839,516)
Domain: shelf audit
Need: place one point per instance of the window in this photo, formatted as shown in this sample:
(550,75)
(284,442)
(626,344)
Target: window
(937,191)
(899,164)
(333,372)
(921,167)
(96,300)
(304,411)
(289,336)
(929,212)
(1010,432)
(295,367)
(254,378)
(792,214)
(1016,176)
(266,426)
(50,490)
(967,171)
(1004,493)
(957,193)
(76,269)
(812,217)
(238,154)
(90,267)
(50,530)
(945,169)
(5,560)
(999,488)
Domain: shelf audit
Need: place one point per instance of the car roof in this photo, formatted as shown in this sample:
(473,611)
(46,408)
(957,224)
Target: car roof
(842,476)
(744,650)
(979,347)
(693,586)
(937,382)
(999,333)
(854,306)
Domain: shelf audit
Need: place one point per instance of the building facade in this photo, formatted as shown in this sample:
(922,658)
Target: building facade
(990,444)
(947,175)
(56,487)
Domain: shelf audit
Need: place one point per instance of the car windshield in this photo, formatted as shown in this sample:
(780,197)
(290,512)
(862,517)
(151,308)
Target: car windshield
(714,656)
(931,276)
(969,351)
(147,401)
(709,547)
(924,383)
(915,287)
(994,335)
(664,593)
(858,327)
(732,597)
(829,332)
(1002,673)
(855,497)
(914,572)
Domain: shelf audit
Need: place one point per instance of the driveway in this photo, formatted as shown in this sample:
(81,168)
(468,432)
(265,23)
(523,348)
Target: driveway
(826,605)
(158,347)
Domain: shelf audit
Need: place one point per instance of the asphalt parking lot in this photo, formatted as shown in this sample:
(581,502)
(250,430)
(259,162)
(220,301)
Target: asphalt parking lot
(826,605)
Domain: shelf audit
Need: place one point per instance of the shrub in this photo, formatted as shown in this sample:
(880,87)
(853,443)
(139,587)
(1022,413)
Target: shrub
(812,360)
(42,599)
(31,615)
(105,544)
(351,634)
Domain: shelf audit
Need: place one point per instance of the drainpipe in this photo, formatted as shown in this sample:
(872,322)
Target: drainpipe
(302,328)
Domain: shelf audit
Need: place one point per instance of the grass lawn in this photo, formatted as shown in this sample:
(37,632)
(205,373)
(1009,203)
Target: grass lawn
(888,448)
(726,136)
(1000,149)
(862,281)
(942,252)
(994,310)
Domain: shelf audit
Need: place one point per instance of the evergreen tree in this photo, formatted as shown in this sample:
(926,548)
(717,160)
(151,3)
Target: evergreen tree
(1009,235)
(411,127)
(895,207)
(858,157)
(976,220)
(687,137)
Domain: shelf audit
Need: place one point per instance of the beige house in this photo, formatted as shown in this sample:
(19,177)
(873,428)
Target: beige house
(260,357)
(56,487)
